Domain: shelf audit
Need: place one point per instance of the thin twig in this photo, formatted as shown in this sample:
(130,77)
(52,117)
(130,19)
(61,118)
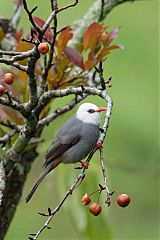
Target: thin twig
(14,64)
(30,17)
(10,125)
(100,72)
(68,6)
(10,53)
(16,56)
(49,64)
(108,201)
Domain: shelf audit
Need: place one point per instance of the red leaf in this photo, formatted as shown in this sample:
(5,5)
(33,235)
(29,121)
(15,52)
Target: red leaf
(63,39)
(90,62)
(74,56)
(39,21)
(92,35)
(115,46)
(106,51)
(48,34)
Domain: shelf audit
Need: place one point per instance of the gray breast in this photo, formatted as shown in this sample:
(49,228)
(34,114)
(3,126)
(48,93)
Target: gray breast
(88,138)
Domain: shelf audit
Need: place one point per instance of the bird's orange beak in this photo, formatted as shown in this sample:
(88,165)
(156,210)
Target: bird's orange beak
(101,109)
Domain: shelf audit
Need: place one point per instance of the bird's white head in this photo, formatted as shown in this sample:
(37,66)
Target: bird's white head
(89,113)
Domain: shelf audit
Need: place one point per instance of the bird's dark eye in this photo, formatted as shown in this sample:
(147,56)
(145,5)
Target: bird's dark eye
(91,111)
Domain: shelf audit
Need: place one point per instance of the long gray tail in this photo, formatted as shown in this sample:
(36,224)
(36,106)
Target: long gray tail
(46,170)
(41,177)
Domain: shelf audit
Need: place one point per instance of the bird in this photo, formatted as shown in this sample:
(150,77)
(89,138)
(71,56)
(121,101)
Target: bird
(73,142)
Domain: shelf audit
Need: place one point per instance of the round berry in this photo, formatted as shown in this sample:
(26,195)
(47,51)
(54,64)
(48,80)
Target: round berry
(123,200)
(86,199)
(43,48)
(8,78)
(95,209)
(2,90)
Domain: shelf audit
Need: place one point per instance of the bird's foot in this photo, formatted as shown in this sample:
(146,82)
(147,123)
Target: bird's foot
(99,145)
(85,164)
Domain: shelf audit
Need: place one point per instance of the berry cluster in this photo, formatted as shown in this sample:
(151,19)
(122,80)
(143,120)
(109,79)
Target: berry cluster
(8,79)
(123,200)
(94,208)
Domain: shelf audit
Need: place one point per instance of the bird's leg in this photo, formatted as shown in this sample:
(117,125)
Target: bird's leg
(85,164)
(99,145)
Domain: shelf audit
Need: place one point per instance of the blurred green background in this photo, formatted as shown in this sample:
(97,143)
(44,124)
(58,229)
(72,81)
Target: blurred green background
(131,145)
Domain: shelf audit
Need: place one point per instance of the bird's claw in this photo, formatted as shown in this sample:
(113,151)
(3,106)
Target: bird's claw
(99,145)
(85,164)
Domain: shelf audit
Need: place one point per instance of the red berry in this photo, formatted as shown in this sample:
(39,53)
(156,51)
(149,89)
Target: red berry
(43,48)
(123,200)
(95,209)
(86,199)
(2,90)
(8,78)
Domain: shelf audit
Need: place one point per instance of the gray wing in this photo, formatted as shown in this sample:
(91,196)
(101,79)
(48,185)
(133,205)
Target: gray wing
(68,136)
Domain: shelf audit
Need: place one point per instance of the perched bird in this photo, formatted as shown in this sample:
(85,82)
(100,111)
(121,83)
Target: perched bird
(74,141)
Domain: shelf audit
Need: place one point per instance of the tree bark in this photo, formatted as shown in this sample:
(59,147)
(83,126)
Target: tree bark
(14,184)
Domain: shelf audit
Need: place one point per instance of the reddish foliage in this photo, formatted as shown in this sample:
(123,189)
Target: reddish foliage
(63,39)
(48,34)
(92,36)
(74,56)
(98,41)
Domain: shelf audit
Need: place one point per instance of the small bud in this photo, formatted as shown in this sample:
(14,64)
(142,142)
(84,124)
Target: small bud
(123,200)
(2,90)
(8,78)
(95,209)
(86,199)
(43,48)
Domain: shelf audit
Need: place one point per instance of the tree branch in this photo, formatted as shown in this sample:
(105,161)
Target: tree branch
(47,96)
(60,111)
(14,64)
(33,98)
(14,105)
